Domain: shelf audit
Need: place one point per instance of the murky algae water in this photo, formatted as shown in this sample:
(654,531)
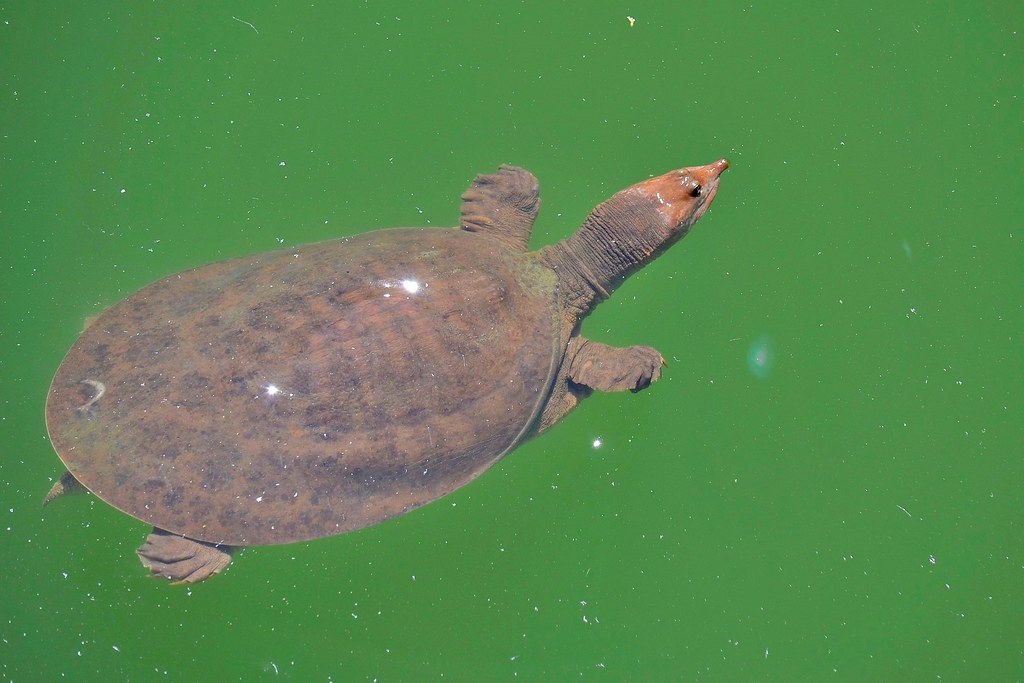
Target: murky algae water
(825,485)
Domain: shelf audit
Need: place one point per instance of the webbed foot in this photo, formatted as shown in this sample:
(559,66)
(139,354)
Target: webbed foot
(611,368)
(182,560)
(502,205)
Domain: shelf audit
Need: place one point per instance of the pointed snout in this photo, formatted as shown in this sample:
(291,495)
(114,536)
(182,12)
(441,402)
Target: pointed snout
(705,174)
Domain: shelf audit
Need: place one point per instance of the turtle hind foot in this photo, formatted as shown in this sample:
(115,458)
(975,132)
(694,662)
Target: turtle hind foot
(182,560)
(67,485)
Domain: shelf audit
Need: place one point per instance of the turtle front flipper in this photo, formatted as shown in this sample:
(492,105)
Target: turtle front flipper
(610,368)
(181,559)
(502,205)
(591,365)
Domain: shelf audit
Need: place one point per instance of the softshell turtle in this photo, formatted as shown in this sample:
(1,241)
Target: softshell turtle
(314,390)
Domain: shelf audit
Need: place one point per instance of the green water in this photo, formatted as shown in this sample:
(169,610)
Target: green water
(826,485)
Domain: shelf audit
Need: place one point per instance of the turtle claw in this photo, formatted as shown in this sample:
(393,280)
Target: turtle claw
(182,560)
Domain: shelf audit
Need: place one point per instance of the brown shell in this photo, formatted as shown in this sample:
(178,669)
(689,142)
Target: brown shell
(309,391)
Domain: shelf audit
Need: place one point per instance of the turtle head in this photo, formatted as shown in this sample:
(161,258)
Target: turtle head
(680,198)
(637,224)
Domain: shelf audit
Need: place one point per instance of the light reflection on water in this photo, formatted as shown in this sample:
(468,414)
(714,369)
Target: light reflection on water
(761,356)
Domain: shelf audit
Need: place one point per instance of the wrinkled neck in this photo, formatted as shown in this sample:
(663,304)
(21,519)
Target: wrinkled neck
(618,238)
(578,287)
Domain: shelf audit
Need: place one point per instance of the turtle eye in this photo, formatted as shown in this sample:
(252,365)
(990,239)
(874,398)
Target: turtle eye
(692,187)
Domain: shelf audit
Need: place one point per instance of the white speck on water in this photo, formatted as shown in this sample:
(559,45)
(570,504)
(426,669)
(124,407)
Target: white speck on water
(597,442)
